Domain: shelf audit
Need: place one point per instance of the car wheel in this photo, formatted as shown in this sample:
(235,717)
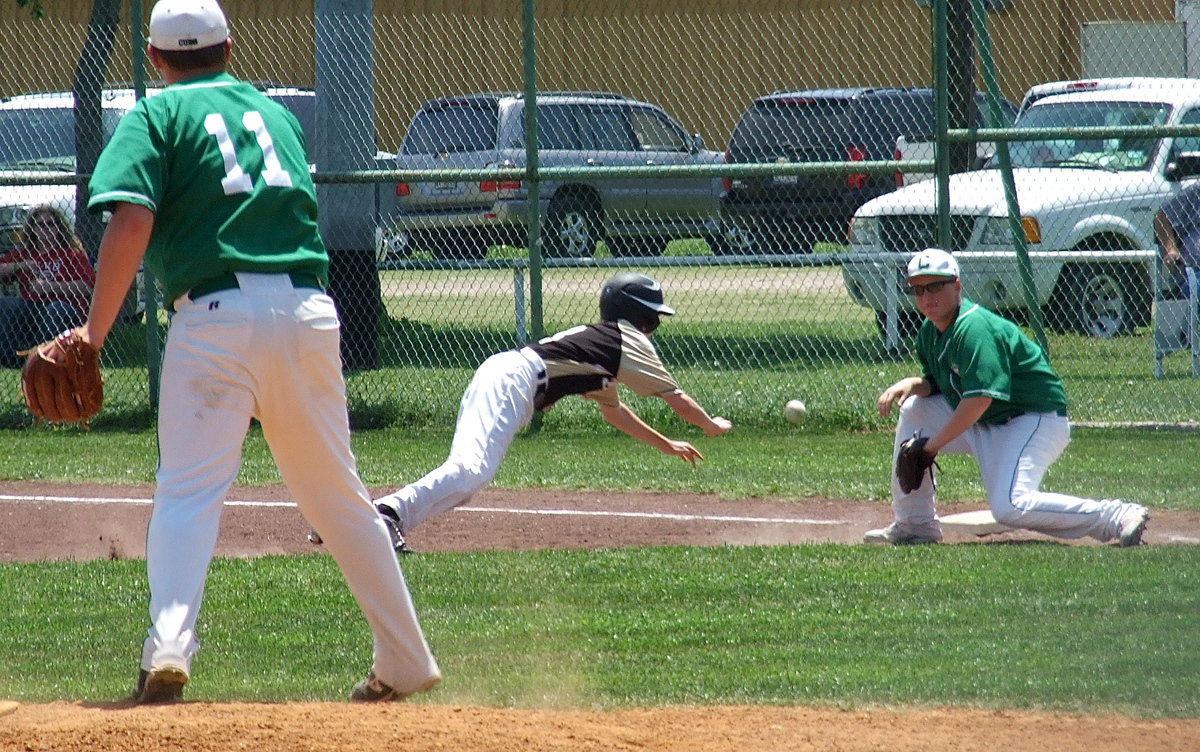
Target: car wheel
(1095,300)
(732,240)
(636,245)
(572,228)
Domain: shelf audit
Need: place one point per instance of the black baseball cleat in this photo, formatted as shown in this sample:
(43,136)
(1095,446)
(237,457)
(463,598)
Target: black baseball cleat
(372,689)
(392,521)
(162,685)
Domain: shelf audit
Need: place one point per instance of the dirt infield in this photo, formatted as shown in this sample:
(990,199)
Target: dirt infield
(39,521)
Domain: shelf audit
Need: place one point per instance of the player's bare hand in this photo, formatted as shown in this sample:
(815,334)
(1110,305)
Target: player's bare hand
(684,451)
(719,426)
(896,393)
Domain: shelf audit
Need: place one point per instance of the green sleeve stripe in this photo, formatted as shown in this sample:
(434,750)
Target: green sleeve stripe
(988,393)
(128,197)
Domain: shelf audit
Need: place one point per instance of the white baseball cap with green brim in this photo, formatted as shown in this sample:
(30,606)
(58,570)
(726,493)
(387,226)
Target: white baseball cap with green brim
(932,262)
(187,25)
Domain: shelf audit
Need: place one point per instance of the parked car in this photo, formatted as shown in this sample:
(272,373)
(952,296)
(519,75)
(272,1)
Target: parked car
(37,138)
(635,216)
(1083,199)
(1075,86)
(788,213)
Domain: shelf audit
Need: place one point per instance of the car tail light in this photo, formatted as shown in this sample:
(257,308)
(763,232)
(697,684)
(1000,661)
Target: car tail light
(899,175)
(857,179)
(491,186)
(403,189)
(727,182)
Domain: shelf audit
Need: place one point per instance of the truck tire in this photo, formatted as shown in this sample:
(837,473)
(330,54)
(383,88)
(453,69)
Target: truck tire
(572,227)
(1098,300)
(733,239)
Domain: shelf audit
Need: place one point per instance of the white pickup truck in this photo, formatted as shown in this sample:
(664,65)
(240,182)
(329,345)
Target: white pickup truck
(1087,208)
(920,146)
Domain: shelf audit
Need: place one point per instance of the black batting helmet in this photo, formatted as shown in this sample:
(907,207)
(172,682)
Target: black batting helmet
(636,298)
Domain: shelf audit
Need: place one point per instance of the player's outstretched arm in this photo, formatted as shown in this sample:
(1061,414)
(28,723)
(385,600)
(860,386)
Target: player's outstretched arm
(689,410)
(624,419)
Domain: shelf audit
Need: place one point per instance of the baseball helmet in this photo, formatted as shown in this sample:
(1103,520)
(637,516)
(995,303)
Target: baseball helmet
(636,298)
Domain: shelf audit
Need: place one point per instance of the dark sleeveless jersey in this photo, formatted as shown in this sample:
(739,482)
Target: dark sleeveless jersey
(591,360)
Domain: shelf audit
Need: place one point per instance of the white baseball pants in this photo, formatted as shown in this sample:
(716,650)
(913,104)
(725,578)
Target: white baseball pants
(498,403)
(266,351)
(1012,458)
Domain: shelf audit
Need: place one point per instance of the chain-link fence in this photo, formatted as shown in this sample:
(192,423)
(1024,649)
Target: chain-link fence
(721,146)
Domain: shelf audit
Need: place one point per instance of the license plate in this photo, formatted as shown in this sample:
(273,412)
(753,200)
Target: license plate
(441,189)
(787,179)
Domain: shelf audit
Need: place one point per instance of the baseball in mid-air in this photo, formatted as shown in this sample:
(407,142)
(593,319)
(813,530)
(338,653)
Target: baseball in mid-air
(795,411)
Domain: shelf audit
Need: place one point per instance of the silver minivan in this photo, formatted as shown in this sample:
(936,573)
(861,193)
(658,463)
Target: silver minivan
(634,216)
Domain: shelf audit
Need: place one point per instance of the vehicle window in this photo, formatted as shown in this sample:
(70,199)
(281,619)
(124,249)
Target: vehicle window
(882,119)
(304,108)
(983,112)
(45,137)
(452,127)
(1112,153)
(1187,143)
(655,132)
(604,128)
(795,127)
(557,128)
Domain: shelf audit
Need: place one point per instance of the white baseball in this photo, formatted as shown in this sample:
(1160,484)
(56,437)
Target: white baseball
(795,411)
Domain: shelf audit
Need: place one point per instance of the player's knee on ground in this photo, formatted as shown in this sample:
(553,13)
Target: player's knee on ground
(1010,514)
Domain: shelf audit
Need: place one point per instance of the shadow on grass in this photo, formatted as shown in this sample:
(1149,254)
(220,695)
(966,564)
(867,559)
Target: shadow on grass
(410,343)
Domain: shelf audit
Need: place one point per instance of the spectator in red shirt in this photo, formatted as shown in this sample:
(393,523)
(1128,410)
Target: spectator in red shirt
(54,280)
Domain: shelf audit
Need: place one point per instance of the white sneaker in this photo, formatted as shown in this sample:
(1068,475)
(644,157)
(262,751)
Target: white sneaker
(896,534)
(1133,524)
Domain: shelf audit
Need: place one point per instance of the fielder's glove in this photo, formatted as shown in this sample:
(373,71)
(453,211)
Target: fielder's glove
(61,379)
(913,462)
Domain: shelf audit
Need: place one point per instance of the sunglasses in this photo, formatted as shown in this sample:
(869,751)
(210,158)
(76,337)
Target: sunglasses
(933,287)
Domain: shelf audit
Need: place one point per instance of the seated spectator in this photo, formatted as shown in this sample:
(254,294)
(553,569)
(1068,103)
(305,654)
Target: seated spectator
(54,281)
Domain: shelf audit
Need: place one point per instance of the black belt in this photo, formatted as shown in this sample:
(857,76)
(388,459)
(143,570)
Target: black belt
(543,380)
(229,281)
(539,394)
(1061,412)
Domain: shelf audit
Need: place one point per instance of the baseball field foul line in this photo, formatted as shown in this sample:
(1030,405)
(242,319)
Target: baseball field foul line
(656,515)
(493,510)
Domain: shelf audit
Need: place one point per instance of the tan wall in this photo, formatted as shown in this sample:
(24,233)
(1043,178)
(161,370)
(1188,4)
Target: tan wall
(702,60)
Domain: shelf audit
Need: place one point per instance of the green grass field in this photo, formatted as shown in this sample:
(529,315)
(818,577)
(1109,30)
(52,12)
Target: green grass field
(1039,626)
(1087,629)
(1090,629)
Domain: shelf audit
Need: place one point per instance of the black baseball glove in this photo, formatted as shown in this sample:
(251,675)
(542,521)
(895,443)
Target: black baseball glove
(913,462)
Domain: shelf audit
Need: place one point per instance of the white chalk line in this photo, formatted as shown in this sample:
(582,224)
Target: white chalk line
(657,516)
(491,510)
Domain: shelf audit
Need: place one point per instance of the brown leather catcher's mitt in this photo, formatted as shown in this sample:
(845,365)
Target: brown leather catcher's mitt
(913,462)
(61,379)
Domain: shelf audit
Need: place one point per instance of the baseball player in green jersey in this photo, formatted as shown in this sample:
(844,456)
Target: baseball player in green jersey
(988,391)
(208,181)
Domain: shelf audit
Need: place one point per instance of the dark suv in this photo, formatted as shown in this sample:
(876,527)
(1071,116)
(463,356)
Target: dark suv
(635,216)
(789,213)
